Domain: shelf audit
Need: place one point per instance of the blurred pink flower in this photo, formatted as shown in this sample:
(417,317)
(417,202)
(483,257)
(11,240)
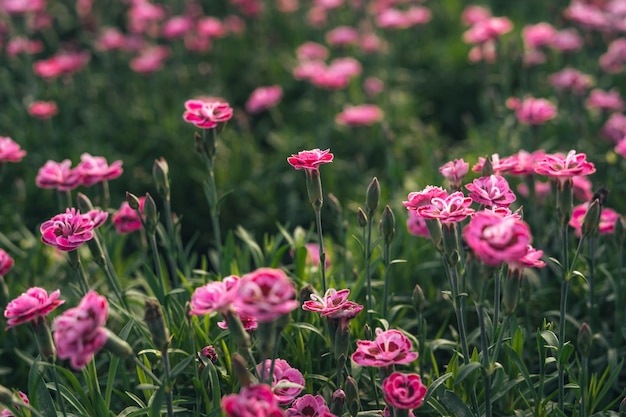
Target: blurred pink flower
(20,44)
(287,6)
(346,66)
(532,259)
(567,40)
(488,30)
(499,165)
(538,36)
(10,151)
(143,17)
(310,160)
(390,347)
(325,77)
(571,79)
(608,219)
(30,306)
(342,36)
(533,111)
(150,59)
(265,294)
(308,406)
(255,400)
(313,255)
(423,198)
(362,115)
(207,115)
(7,413)
(98,217)
(234,24)
(250,8)
(307,70)
(491,191)
(176,27)
(588,16)
(473,14)
(483,52)
(211,27)
(110,39)
(620,148)
(542,190)
(614,59)
(392,19)
(282,372)
(605,100)
(42,109)
(562,166)
(416,224)
(6,262)
(312,51)
(63,63)
(126,220)
(404,391)
(454,172)
(525,162)
(216,296)
(534,57)
(615,127)
(451,209)
(328,4)
(496,239)
(264,98)
(58,175)
(67,231)
(371,42)
(249,323)
(95,169)
(79,332)
(418,15)
(316,17)
(15,7)
(582,188)
(373,86)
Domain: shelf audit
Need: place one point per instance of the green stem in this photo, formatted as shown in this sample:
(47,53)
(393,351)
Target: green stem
(157,267)
(386,261)
(368,272)
(583,386)
(322,253)
(496,299)
(174,251)
(109,270)
(591,248)
(168,383)
(619,304)
(55,379)
(75,264)
(147,370)
(486,364)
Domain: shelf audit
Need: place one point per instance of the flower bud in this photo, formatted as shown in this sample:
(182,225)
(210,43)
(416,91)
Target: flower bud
(334,204)
(434,230)
(418,298)
(314,189)
(117,346)
(591,222)
(199,143)
(372,197)
(388,225)
(352,396)
(150,211)
(83,203)
(160,175)
(564,200)
(156,325)
(337,403)
(342,344)
(361,217)
(367,332)
(240,369)
(584,339)
(43,336)
(237,331)
(305,293)
(510,291)
(6,396)
(210,353)
(132,200)
(487,170)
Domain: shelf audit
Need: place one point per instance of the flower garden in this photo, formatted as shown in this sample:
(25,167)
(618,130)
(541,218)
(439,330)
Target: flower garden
(312,208)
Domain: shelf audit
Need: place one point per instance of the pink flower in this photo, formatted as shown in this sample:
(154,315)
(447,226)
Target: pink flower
(94,169)
(608,219)
(538,36)
(214,296)
(10,151)
(313,255)
(620,148)
(265,294)
(451,209)
(373,86)
(391,347)
(416,224)
(150,59)
(404,391)
(42,109)
(308,406)
(64,63)
(256,400)
(491,191)
(565,166)
(581,187)
(79,333)
(532,259)
(58,175)
(363,115)
(473,14)
(207,115)
(605,100)
(110,39)
(423,198)
(588,16)
(488,30)
(567,40)
(7,413)
(418,15)
(67,231)
(263,98)
(176,27)
(30,306)
(332,302)
(615,127)
(310,160)
(20,44)
(249,323)
(496,239)
(483,52)
(312,51)
(571,79)
(454,172)
(499,165)
(307,70)
(6,262)
(392,19)
(342,36)
(525,162)
(283,372)
(98,217)
(211,27)
(533,111)
(126,220)
(346,66)
(542,190)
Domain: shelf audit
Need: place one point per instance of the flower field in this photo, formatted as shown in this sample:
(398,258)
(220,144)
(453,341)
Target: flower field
(312,208)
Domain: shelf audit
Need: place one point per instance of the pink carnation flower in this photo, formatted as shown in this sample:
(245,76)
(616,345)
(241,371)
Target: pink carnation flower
(582,188)
(491,191)
(214,296)
(207,115)
(79,332)
(404,391)
(249,323)
(454,172)
(532,259)
(451,209)
(10,151)
(488,30)
(499,165)
(256,400)
(7,413)
(332,302)
(58,175)
(94,169)
(30,306)
(42,109)
(473,14)
(605,100)
(565,166)
(310,160)
(525,162)
(20,44)
(423,198)
(282,372)
(416,224)
(211,27)
(608,219)
(615,127)
(363,115)
(533,111)
(342,36)
(126,220)
(312,51)
(567,40)
(308,406)
(571,79)
(6,262)
(67,231)
(264,98)
(63,63)
(391,347)
(539,35)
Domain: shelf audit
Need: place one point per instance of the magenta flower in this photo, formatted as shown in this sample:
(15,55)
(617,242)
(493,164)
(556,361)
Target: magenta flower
(264,98)
(310,160)
(451,209)
(126,220)
(265,294)
(391,347)
(30,306)
(567,40)
(416,224)
(79,333)
(499,165)
(6,262)
(532,259)
(565,166)
(608,219)
(488,29)
(454,172)
(342,36)
(538,36)
(581,187)
(404,391)
(94,169)
(42,109)
(308,406)
(473,14)
(330,303)
(496,239)
(532,111)
(207,115)
(313,255)
(214,296)
(256,400)
(423,198)
(363,115)
(312,51)
(615,127)
(10,151)
(249,323)
(58,175)
(7,413)
(491,191)
(605,100)
(524,162)
(67,231)
(570,79)
(283,372)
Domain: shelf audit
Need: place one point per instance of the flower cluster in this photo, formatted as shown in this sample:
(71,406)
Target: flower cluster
(68,231)
(89,171)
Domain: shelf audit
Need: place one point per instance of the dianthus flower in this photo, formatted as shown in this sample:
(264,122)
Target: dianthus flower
(58,175)
(404,391)
(571,79)
(454,172)
(67,231)
(94,169)
(605,100)
(10,151)
(363,115)
(451,209)
(332,302)
(310,160)
(565,166)
(615,127)
(538,35)
(532,111)
(79,332)
(532,259)
(256,400)
(416,224)
(493,190)
(7,413)
(6,262)
(487,30)
(423,198)
(42,109)
(264,98)
(216,296)
(525,162)
(608,219)
(30,306)
(391,347)
(308,406)
(126,219)
(207,115)
(499,165)
(282,372)
(265,294)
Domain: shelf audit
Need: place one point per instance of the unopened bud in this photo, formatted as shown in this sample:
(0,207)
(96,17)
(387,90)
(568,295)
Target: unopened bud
(591,222)
(43,336)
(372,197)
(314,189)
(361,217)
(337,403)
(83,203)
(117,346)
(133,201)
(352,396)
(210,353)
(6,396)
(334,204)
(305,293)
(388,225)
(150,211)
(240,368)
(237,331)
(487,170)
(434,230)
(199,143)
(584,339)
(160,175)
(156,325)
(367,332)
(510,292)
(418,298)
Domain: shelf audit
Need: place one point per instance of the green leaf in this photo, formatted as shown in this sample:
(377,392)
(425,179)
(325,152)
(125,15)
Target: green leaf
(42,400)
(550,338)
(180,366)
(465,371)
(455,405)
(156,401)
(436,384)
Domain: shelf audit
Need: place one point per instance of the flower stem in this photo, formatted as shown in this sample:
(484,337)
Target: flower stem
(157,267)
(386,262)
(74,261)
(368,268)
(480,309)
(322,253)
(562,312)
(591,248)
(168,388)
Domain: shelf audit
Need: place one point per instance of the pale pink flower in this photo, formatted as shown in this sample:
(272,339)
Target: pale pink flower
(615,127)
(150,59)
(613,60)
(95,169)
(63,63)
(533,111)
(249,323)
(496,239)
(110,39)
(282,372)
(79,333)
(390,347)
(538,35)
(6,262)
(312,51)
(416,224)
(250,8)
(313,255)
(255,400)
(373,86)
(483,52)
(620,148)
(265,294)
(488,30)
(30,306)
(525,162)
(588,16)
(532,259)
(16,7)
(143,16)
(287,6)
(207,115)
(605,100)
(67,231)
(316,17)
(404,391)
(473,14)
(234,24)
(216,296)
(307,70)
(20,44)
(451,209)
(10,151)
(571,79)
(371,42)
(7,413)
(211,27)
(264,98)
(346,66)
(363,115)
(58,175)
(392,19)
(342,36)
(310,160)
(542,190)
(42,109)
(418,15)
(326,78)
(565,166)
(126,220)
(581,187)
(454,172)
(328,4)
(534,57)
(499,165)
(176,27)
(491,191)
(423,198)
(308,406)
(567,40)
(608,219)
(330,303)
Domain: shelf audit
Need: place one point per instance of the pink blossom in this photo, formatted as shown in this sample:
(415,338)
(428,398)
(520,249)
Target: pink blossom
(390,347)
(581,187)
(20,44)
(58,175)
(620,148)
(143,16)
(588,16)
(310,160)
(176,27)
(7,413)
(370,43)
(249,323)
(316,17)
(542,190)
(330,303)
(613,60)
(451,209)
(42,109)
(342,36)
(608,219)
(110,39)
(30,306)
(207,115)
(126,220)
(332,80)
(373,86)
(211,27)
(496,239)
(234,24)
(250,8)
(416,224)
(538,36)
(214,296)
(363,115)
(256,400)
(150,59)
(483,52)
(79,333)
(565,166)
(418,15)
(532,259)
(312,51)
(67,231)
(534,57)
(264,98)
(328,4)
(567,40)
(454,172)
(493,190)
(423,198)
(488,30)
(525,162)
(307,70)
(615,127)
(16,7)
(98,217)
(533,111)
(308,406)
(6,262)
(10,151)
(605,100)
(392,19)
(473,14)
(313,255)
(499,165)
(282,372)
(265,294)
(571,79)
(346,66)
(64,63)
(95,169)
(287,6)
(404,391)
